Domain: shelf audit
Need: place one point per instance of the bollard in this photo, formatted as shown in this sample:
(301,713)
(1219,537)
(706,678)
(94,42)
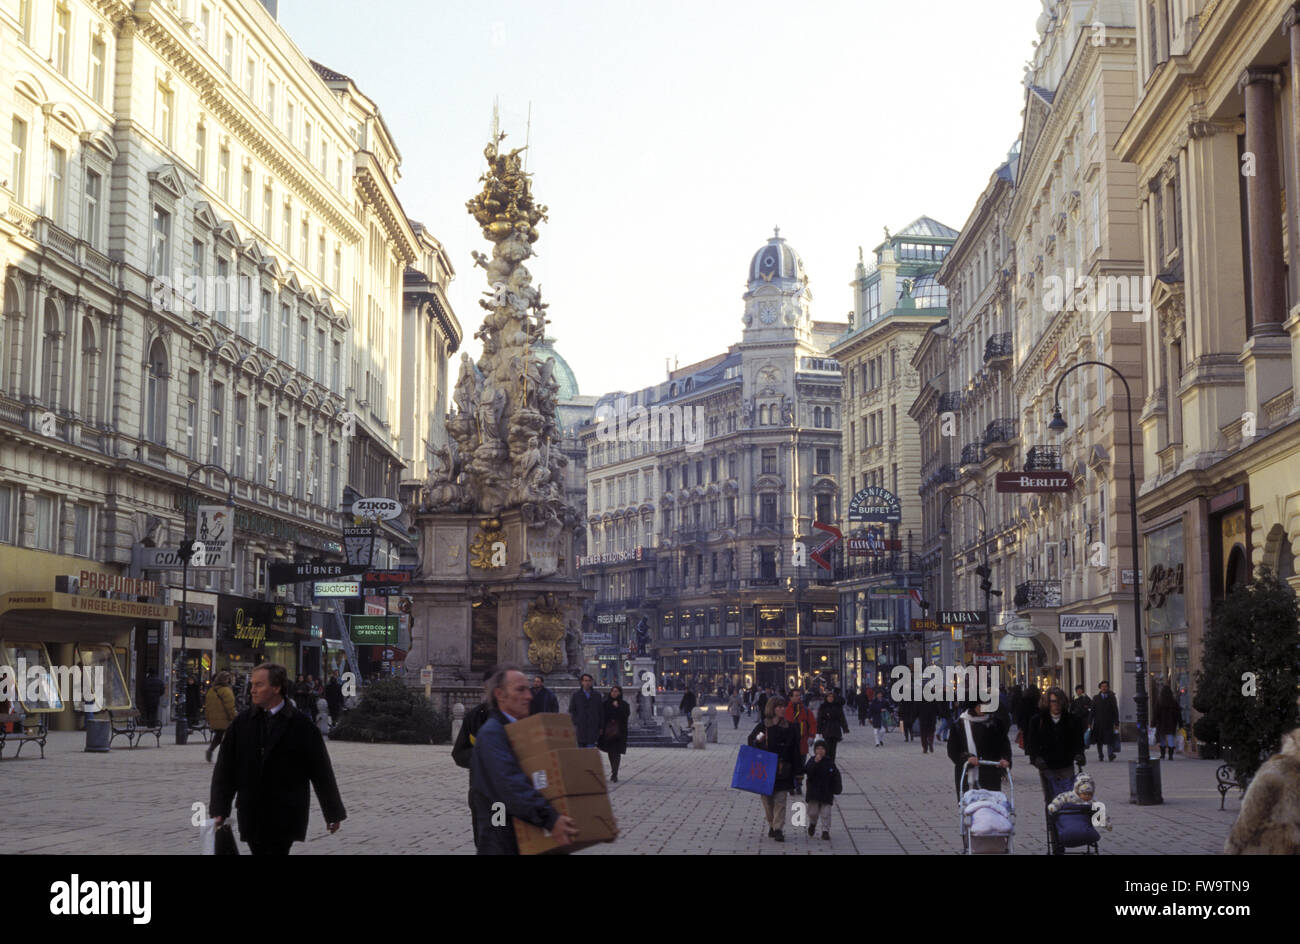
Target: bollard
(697,728)
(711,727)
(457,719)
(670,721)
(182,729)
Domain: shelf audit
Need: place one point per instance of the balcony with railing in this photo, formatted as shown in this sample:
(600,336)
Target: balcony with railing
(1038,594)
(895,562)
(950,402)
(998,350)
(1000,436)
(972,454)
(1040,458)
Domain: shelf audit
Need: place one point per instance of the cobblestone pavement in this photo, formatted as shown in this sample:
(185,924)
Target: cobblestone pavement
(406,799)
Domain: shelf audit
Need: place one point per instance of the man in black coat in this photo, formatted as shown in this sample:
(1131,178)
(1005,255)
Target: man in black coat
(544,699)
(1081,707)
(588,713)
(151,692)
(270,753)
(1105,720)
(831,724)
(334,697)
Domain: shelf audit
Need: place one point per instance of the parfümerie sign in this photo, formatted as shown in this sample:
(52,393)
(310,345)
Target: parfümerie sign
(1087,623)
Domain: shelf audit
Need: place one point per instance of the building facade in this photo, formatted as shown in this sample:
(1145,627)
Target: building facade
(896,302)
(705,530)
(1077,297)
(190,249)
(1214,136)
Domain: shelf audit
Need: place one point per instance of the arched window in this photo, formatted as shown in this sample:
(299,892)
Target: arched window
(828,415)
(89,371)
(155,395)
(51,345)
(817,416)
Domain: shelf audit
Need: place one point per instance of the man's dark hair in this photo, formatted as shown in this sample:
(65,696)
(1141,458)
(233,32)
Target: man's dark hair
(1102,682)
(1078,688)
(586,675)
(498,680)
(277,675)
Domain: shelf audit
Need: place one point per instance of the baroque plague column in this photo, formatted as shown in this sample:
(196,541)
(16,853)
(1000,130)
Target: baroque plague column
(496,581)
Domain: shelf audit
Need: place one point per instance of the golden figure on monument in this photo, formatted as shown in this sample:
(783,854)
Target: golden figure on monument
(481,549)
(544,627)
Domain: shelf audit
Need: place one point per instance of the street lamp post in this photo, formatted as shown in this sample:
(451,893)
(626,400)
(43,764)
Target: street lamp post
(187,551)
(983,572)
(1145,787)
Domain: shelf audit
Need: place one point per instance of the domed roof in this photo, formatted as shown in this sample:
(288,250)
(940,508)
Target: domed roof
(776,262)
(929,293)
(564,375)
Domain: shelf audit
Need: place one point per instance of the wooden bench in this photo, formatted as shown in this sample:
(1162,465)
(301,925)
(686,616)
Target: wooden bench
(30,728)
(199,727)
(129,723)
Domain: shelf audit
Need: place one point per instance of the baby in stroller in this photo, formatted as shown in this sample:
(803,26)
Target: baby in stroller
(1073,818)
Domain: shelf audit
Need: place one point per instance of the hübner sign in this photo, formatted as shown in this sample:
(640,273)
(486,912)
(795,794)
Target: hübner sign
(1087,623)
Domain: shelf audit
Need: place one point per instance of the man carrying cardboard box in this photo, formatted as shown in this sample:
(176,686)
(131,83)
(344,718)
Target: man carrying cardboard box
(497,782)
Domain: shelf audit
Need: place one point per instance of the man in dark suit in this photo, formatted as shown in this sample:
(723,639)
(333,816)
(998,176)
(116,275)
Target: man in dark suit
(544,699)
(269,754)
(588,712)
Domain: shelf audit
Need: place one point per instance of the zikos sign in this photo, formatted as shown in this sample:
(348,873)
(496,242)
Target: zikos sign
(383,509)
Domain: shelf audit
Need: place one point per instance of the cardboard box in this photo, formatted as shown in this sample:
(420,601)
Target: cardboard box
(592,813)
(537,734)
(567,773)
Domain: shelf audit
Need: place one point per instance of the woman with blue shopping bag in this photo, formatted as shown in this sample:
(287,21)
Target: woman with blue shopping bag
(780,738)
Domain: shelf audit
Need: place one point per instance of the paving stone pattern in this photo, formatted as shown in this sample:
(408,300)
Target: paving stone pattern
(407,799)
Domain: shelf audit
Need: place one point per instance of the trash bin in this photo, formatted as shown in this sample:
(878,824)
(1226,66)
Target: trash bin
(98,733)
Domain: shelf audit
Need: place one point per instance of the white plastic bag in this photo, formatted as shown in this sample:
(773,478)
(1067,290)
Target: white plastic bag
(208,837)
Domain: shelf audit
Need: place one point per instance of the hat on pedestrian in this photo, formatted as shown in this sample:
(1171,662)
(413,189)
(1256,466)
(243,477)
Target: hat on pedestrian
(1084,784)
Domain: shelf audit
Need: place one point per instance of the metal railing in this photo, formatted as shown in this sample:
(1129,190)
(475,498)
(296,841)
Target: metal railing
(972,453)
(1042,457)
(997,346)
(950,402)
(1038,593)
(999,431)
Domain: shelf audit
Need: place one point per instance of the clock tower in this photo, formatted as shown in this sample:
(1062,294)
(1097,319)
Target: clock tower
(778,301)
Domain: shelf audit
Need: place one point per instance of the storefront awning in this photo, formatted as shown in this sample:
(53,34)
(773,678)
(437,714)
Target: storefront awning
(24,609)
(1010,643)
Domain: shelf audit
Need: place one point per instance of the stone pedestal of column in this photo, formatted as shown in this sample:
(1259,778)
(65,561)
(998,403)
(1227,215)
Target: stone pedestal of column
(1267,362)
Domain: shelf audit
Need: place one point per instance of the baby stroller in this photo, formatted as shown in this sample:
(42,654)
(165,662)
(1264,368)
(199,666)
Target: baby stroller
(1070,827)
(976,804)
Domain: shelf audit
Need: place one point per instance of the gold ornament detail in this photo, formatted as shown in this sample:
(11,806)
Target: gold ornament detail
(544,627)
(480,549)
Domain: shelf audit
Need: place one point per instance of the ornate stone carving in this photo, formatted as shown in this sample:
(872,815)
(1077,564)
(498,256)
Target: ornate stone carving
(544,627)
(505,438)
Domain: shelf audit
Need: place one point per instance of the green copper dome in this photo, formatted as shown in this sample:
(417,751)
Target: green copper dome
(563,372)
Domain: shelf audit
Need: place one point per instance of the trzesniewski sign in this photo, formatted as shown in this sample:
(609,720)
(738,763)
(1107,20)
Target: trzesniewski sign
(874,503)
(1087,623)
(1034,481)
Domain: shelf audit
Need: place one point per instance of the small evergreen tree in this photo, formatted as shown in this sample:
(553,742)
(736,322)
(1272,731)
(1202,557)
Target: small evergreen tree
(1253,634)
(391,712)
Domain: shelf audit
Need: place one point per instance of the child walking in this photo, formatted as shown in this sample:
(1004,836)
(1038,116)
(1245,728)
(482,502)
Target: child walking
(824,783)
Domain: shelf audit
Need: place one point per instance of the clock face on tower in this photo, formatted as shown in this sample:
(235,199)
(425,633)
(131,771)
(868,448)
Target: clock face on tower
(767,312)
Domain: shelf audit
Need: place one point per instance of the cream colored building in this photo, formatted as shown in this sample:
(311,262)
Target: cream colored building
(896,301)
(203,262)
(1214,138)
(1078,249)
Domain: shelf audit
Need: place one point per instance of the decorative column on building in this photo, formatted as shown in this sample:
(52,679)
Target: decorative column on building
(1291,30)
(1267,351)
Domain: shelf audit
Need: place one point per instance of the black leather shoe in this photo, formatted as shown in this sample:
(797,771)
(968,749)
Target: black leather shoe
(771,833)
(780,836)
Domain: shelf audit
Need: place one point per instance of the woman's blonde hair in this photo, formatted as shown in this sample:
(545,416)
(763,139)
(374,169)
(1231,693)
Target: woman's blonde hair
(773,704)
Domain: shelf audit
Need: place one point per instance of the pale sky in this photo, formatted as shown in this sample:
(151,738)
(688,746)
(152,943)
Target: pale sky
(669,137)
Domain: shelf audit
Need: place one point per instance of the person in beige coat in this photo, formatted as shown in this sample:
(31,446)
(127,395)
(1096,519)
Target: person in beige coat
(1269,822)
(219,707)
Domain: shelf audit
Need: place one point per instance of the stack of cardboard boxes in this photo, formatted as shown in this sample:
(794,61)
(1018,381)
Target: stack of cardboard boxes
(571,778)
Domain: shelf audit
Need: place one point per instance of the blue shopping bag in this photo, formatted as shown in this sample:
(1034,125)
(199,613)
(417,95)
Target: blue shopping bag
(755,771)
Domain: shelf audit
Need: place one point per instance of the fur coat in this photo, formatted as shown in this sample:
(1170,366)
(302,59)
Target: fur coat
(1269,822)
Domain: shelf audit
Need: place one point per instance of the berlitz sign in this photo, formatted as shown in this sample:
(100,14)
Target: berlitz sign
(1055,481)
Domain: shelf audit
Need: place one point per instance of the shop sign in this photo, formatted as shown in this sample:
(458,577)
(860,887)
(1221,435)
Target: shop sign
(610,557)
(597,639)
(113,583)
(372,630)
(1181,657)
(925,626)
(280,574)
(198,615)
(331,589)
(246,628)
(385,582)
(990,658)
(214,529)
(377,509)
(1023,482)
(1087,623)
(1164,581)
(611,617)
(874,503)
(964,617)
(358,543)
(879,625)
